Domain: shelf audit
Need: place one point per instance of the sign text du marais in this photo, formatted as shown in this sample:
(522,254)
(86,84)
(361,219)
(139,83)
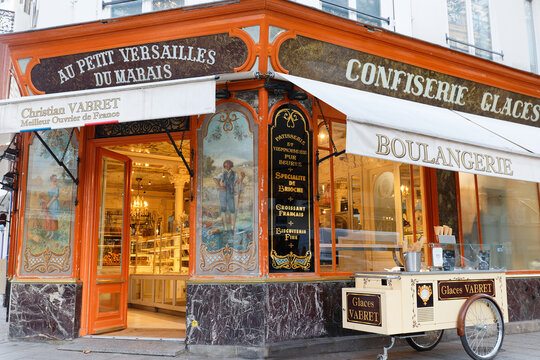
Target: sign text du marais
(140,63)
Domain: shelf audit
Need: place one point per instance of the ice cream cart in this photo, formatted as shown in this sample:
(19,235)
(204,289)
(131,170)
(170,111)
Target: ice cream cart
(419,306)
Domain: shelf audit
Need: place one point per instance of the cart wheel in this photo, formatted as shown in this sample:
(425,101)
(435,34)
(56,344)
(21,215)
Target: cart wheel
(425,342)
(483,329)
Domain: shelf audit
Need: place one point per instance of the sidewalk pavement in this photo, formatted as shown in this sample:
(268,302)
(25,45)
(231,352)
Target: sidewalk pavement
(524,346)
(516,346)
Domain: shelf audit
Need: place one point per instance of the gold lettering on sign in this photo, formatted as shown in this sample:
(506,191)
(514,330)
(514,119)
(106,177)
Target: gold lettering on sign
(510,107)
(405,82)
(457,289)
(87,110)
(444,156)
(364,309)
(290,222)
(409,83)
(369,72)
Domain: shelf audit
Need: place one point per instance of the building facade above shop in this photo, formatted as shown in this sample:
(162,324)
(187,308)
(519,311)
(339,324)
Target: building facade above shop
(477,27)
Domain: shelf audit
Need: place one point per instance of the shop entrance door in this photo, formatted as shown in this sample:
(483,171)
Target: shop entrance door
(110,255)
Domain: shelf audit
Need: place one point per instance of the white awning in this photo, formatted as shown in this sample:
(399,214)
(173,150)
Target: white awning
(405,131)
(109,105)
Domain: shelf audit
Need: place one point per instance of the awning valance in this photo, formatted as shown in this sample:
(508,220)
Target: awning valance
(405,131)
(109,105)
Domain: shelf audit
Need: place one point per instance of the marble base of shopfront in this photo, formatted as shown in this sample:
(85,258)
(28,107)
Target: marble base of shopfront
(45,311)
(249,316)
(523,298)
(258,314)
(247,319)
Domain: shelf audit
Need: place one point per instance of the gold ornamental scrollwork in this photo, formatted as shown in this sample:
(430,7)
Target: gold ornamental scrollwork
(290,261)
(47,261)
(291,115)
(425,292)
(415,323)
(227,118)
(228,259)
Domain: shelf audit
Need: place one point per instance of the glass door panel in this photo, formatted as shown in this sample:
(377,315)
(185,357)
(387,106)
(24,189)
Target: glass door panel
(109,271)
(109,259)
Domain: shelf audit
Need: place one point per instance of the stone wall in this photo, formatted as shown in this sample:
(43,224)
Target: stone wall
(256,314)
(260,314)
(523,298)
(45,311)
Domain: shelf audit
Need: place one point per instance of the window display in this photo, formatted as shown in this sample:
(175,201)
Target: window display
(370,209)
(505,212)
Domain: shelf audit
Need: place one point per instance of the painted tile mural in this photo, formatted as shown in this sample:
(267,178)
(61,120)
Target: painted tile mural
(50,205)
(227,205)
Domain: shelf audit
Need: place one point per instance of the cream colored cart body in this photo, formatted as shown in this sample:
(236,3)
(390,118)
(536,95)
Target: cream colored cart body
(417,304)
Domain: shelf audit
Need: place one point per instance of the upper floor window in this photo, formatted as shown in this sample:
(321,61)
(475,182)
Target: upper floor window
(27,5)
(364,11)
(531,36)
(166,4)
(119,8)
(469,27)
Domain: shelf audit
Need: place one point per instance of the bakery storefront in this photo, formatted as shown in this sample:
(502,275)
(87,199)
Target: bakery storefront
(231,167)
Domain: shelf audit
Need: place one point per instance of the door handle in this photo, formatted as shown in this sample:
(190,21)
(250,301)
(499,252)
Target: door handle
(110,281)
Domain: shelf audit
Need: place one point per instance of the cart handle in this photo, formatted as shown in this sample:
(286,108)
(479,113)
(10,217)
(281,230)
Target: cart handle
(466,305)
(376,276)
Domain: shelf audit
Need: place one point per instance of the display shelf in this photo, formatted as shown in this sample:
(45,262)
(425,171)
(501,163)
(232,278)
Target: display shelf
(160,254)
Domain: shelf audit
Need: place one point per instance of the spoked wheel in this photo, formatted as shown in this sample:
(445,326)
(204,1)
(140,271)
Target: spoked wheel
(425,342)
(483,329)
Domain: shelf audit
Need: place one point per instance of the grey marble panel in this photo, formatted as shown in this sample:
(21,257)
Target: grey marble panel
(523,299)
(249,97)
(274,99)
(294,311)
(45,311)
(260,314)
(228,314)
(332,310)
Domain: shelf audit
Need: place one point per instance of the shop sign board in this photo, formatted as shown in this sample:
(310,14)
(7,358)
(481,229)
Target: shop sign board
(458,289)
(347,67)
(405,131)
(141,63)
(291,191)
(364,309)
(102,106)
(418,149)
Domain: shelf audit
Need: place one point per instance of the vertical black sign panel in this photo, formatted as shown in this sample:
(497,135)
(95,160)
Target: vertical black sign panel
(291,192)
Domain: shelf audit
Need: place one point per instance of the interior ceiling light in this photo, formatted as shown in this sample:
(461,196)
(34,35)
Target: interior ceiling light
(139,206)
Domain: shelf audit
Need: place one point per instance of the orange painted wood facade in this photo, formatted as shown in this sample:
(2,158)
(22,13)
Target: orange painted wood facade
(231,18)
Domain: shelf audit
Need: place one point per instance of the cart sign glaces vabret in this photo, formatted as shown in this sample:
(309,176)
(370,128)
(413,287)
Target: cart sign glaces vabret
(364,309)
(449,290)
